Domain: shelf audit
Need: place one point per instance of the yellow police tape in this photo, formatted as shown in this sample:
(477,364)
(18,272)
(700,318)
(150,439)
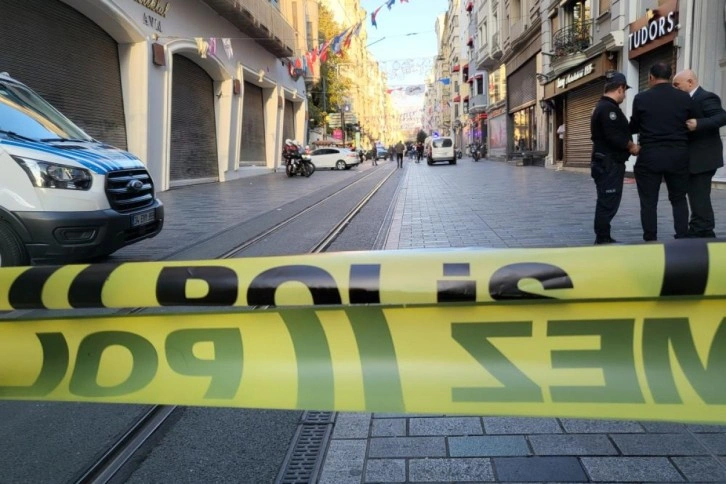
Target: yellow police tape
(684,268)
(627,332)
(647,359)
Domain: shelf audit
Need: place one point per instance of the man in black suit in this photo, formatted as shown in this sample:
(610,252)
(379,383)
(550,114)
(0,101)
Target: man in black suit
(706,151)
(659,117)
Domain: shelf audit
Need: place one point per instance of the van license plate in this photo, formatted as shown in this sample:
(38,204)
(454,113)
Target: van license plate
(143,218)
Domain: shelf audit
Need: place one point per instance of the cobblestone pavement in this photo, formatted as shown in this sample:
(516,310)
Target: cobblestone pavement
(494,204)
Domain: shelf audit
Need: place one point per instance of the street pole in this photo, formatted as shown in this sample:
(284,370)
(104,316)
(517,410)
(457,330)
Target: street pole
(342,123)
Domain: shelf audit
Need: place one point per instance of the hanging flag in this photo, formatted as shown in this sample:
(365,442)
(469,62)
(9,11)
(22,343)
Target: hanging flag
(390,4)
(373,16)
(227,44)
(445,81)
(202,47)
(212,46)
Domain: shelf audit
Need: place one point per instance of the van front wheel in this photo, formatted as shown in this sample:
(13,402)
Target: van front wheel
(12,252)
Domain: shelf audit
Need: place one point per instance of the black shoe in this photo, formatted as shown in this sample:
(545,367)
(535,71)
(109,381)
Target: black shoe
(605,240)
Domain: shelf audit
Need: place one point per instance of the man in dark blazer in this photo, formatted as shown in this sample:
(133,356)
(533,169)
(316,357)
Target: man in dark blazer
(659,117)
(706,151)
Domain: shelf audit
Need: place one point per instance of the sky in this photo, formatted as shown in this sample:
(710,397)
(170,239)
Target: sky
(416,16)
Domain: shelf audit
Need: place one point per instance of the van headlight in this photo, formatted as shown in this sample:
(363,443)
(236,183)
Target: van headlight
(44,174)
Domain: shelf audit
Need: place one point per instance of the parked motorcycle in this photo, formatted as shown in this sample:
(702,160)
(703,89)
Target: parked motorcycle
(475,153)
(459,153)
(297,161)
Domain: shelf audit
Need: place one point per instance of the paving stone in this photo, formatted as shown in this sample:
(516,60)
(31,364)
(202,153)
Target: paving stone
(404,415)
(538,469)
(391,447)
(488,446)
(344,462)
(352,426)
(572,444)
(586,426)
(658,444)
(385,470)
(631,469)
(703,469)
(664,427)
(448,470)
(516,425)
(716,443)
(445,426)
(388,427)
(700,428)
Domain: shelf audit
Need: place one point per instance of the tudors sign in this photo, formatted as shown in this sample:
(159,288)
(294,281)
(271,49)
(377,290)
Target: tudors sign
(657,28)
(159,7)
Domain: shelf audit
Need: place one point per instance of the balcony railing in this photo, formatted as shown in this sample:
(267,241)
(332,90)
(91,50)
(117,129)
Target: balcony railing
(573,39)
(260,20)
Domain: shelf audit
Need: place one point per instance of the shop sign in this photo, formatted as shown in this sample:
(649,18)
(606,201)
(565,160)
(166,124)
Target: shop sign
(656,28)
(338,134)
(562,82)
(159,7)
(152,22)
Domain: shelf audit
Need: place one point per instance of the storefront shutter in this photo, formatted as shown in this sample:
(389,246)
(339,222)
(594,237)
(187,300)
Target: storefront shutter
(578,110)
(646,61)
(252,149)
(193,125)
(522,86)
(69,60)
(288,123)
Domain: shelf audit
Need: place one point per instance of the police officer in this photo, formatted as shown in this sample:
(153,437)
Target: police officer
(612,145)
(660,116)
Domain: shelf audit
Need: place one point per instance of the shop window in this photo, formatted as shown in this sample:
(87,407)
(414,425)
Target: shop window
(524,134)
(498,85)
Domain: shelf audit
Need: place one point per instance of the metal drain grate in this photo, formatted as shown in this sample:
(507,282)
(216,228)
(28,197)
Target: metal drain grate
(305,457)
(318,417)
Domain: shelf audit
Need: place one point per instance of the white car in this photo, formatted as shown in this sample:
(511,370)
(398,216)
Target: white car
(442,149)
(337,158)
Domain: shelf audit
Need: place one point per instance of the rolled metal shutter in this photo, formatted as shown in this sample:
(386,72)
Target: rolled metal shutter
(665,54)
(522,86)
(252,148)
(288,122)
(69,60)
(193,126)
(580,103)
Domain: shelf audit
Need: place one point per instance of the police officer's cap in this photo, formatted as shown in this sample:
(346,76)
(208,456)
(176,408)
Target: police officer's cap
(616,78)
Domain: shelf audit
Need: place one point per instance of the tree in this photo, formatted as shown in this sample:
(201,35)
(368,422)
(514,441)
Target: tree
(421,136)
(329,94)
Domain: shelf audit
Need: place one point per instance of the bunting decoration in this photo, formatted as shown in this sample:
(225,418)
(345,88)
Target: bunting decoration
(334,46)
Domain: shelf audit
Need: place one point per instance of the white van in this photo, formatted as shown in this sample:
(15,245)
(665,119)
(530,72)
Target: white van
(64,196)
(442,149)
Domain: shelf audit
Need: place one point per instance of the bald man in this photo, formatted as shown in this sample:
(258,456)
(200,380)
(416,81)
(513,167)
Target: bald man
(705,150)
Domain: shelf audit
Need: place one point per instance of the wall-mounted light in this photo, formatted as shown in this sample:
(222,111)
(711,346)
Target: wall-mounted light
(261,75)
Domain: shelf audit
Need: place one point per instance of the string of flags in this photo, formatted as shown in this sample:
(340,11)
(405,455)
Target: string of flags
(208,46)
(298,66)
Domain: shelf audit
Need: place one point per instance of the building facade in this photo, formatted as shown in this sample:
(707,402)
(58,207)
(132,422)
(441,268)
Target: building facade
(155,78)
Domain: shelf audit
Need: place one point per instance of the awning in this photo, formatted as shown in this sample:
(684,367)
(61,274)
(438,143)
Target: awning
(456,68)
(470,42)
(457,99)
(470,6)
(466,98)
(465,67)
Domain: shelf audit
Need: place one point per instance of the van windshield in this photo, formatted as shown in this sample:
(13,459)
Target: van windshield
(24,113)
(443,143)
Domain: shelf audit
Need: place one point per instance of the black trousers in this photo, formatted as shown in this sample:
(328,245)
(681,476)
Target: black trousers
(399,159)
(702,221)
(609,184)
(654,165)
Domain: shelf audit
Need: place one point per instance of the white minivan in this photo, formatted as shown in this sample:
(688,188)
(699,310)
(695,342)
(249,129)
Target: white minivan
(441,149)
(64,196)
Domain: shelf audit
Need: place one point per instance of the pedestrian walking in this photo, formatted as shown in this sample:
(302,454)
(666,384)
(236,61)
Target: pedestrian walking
(400,148)
(612,145)
(419,152)
(659,116)
(705,149)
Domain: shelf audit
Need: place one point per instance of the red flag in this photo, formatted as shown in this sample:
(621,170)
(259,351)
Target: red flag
(373,16)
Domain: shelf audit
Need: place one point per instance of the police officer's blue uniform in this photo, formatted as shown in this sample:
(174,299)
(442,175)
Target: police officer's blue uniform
(611,139)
